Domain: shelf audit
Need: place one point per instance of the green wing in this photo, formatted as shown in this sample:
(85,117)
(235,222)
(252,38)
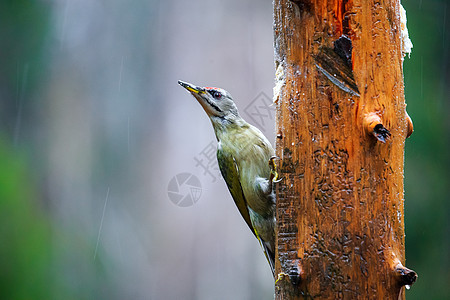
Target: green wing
(230,173)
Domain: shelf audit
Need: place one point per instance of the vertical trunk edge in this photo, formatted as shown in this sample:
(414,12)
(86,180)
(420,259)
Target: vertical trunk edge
(341,126)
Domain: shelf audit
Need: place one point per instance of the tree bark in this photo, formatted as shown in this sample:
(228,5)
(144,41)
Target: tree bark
(341,128)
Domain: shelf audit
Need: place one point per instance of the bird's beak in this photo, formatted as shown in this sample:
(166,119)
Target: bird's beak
(191,88)
(201,95)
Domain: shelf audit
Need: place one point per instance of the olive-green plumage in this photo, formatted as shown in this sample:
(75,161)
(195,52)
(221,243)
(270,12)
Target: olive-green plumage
(243,153)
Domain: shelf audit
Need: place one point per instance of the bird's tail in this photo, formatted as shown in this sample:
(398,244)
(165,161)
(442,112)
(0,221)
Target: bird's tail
(270,255)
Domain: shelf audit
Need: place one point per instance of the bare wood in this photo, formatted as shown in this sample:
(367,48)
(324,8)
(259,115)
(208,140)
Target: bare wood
(341,127)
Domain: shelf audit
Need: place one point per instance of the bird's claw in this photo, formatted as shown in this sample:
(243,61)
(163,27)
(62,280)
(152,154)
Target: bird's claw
(274,177)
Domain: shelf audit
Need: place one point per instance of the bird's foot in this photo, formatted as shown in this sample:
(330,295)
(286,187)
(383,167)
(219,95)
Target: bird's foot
(274,177)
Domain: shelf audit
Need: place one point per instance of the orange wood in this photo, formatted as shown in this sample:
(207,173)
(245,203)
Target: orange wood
(340,210)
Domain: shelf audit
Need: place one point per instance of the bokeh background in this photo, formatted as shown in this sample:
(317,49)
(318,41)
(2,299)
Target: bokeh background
(95,132)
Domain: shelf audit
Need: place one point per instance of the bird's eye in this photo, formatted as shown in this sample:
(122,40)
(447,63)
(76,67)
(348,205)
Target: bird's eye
(217,95)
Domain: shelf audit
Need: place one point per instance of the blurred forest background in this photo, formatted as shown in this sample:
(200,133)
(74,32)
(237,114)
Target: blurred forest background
(94,129)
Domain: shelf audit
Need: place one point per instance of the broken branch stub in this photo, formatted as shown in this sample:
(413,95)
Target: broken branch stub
(405,276)
(410,125)
(374,126)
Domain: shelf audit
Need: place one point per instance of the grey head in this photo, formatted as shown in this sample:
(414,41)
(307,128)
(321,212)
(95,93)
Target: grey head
(216,102)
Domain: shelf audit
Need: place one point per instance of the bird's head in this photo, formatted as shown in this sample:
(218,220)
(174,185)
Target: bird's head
(215,101)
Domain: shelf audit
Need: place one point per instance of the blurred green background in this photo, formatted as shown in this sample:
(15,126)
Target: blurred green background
(93,127)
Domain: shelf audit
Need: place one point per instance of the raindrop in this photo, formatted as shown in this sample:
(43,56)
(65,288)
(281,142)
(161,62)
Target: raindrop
(20,100)
(63,29)
(120,74)
(101,224)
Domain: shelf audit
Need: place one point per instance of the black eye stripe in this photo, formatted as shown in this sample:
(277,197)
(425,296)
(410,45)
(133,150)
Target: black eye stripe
(213,105)
(215,94)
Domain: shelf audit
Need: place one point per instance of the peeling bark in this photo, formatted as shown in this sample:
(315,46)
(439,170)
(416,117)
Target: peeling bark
(341,127)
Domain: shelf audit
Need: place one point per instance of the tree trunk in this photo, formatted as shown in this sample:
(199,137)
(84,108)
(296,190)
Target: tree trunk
(341,130)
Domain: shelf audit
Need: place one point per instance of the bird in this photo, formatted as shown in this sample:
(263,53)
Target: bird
(246,161)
